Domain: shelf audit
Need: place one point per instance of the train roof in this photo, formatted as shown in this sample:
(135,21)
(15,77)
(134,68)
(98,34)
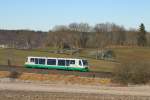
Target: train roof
(54,57)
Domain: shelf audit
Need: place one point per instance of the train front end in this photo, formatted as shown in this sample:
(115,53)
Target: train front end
(85,65)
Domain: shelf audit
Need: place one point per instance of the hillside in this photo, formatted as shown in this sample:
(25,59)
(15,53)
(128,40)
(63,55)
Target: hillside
(18,57)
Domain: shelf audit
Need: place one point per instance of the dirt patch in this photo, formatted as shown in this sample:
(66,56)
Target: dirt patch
(17,85)
(29,86)
(22,95)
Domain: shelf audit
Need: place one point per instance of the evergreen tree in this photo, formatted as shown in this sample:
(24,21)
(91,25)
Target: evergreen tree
(142,41)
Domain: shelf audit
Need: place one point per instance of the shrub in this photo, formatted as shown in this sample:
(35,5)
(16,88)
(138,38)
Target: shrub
(14,74)
(134,72)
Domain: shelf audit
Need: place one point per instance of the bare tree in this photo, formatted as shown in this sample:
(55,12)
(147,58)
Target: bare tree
(131,37)
(83,27)
(73,27)
(60,28)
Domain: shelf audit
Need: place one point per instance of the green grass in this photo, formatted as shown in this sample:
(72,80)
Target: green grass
(18,57)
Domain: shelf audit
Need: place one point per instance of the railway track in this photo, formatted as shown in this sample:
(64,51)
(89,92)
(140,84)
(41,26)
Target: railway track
(21,69)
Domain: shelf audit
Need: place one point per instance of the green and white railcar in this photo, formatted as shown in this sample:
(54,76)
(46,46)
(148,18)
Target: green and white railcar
(57,63)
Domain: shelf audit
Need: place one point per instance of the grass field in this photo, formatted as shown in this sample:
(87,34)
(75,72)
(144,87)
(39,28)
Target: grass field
(18,57)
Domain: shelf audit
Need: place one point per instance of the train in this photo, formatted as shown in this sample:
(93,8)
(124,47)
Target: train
(70,64)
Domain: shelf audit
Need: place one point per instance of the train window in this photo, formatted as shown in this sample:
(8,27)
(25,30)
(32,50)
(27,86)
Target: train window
(72,61)
(85,63)
(51,61)
(80,63)
(61,62)
(42,61)
(67,62)
(36,61)
(31,59)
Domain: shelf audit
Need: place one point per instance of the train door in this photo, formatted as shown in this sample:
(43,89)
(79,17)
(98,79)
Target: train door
(72,63)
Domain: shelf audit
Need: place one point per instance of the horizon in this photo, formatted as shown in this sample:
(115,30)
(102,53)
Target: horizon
(43,15)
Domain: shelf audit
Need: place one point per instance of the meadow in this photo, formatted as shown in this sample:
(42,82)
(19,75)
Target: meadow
(18,57)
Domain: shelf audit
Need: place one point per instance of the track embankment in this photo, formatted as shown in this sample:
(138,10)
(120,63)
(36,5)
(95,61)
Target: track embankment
(21,69)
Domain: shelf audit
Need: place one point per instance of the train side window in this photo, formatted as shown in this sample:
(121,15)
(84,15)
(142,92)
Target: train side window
(67,62)
(61,62)
(80,63)
(31,59)
(42,61)
(72,61)
(51,61)
(85,63)
(36,61)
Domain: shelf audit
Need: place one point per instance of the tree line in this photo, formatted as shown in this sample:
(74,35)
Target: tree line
(77,35)
(22,39)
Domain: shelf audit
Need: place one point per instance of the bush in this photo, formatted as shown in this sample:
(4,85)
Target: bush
(109,54)
(14,74)
(133,72)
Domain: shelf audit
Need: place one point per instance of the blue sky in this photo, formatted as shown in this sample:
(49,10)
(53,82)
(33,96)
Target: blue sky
(44,14)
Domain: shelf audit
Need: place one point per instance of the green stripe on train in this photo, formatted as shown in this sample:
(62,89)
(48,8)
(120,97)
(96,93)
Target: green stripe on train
(56,67)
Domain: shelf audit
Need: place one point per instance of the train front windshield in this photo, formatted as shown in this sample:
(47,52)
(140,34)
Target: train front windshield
(85,63)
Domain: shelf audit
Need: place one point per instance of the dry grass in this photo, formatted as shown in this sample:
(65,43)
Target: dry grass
(53,78)
(131,54)
(65,79)
(4,74)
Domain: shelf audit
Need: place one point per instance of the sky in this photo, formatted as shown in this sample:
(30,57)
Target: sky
(45,14)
